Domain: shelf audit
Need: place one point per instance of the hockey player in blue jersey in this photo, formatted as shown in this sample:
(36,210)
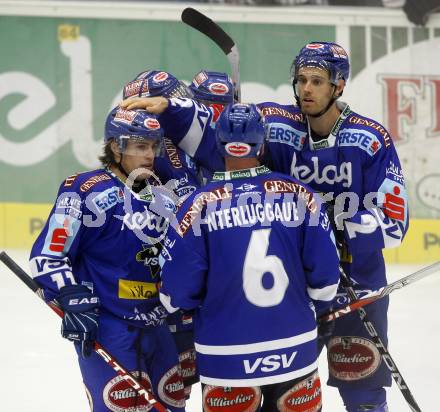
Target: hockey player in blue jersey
(96,258)
(251,253)
(187,176)
(213,89)
(352,159)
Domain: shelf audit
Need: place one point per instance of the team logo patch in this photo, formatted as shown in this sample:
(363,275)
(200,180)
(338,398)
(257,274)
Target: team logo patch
(338,51)
(218,88)
(200,78)
(237,149)
(171,388)
(305,396)
(160,77)
(125,116)
(219,398)
(352,358)
(394,172)
(136,88)
(151,124)
(119,396)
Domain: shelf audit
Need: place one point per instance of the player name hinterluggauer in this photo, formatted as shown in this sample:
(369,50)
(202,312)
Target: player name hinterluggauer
(249,215)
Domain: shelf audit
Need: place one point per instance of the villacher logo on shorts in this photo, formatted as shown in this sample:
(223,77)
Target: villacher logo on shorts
(305,396)
(119,396)
(171,388)
(352,358)
(219,398)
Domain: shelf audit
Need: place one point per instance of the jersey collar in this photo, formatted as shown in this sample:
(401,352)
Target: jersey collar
(239,174)
(330,140)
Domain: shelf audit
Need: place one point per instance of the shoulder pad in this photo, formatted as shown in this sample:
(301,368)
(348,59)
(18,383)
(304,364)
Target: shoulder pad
(373,126)
(290,112)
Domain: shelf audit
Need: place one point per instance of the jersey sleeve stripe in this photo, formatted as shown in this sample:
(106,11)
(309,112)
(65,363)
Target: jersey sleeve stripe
(326,293)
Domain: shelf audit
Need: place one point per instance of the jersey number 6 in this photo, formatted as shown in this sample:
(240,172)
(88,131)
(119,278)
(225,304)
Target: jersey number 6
(256,264)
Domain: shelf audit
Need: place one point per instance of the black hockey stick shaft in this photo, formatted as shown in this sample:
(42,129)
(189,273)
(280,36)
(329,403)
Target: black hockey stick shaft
(386,356)
(209,28)
(382,292)
(108,358)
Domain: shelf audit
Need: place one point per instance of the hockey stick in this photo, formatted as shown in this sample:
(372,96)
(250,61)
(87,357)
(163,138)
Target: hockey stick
(205,25)
(386,356)
(382,292)
(108,358)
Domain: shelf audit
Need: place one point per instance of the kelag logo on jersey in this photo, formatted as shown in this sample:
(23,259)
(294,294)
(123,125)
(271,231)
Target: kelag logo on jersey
(282,133)
(108,198)
(366,141)
(328,174)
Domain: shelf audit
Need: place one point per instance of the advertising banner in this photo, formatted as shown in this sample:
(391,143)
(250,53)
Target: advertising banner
(62,72)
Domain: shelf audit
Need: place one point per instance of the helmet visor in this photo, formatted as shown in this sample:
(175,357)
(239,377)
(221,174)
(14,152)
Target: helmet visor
(138,146)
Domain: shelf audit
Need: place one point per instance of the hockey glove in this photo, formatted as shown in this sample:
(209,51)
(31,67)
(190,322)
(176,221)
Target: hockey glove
(325,329)
(80,321)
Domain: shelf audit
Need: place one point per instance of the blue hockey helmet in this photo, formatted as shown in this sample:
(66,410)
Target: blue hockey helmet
(240,131)
(327,56)
(122,125)
(155,83)
(212,87)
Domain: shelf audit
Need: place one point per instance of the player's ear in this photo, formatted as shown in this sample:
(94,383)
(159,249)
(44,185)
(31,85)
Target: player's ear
(115,150)
(339,88)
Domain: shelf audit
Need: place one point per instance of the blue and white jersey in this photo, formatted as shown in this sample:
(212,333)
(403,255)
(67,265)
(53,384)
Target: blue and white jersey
(107,237)
(192,128)
(253,255)
(357,163)
(177,170)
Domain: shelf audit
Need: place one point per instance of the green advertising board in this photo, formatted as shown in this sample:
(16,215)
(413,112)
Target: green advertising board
(62,71)
(64,75)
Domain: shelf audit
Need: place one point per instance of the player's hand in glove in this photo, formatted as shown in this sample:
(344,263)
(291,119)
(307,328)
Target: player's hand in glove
(81,312)
(325,329)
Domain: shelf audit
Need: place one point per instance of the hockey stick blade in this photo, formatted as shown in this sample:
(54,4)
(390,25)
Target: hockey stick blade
(382,292)
(209,28)
(108,358)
